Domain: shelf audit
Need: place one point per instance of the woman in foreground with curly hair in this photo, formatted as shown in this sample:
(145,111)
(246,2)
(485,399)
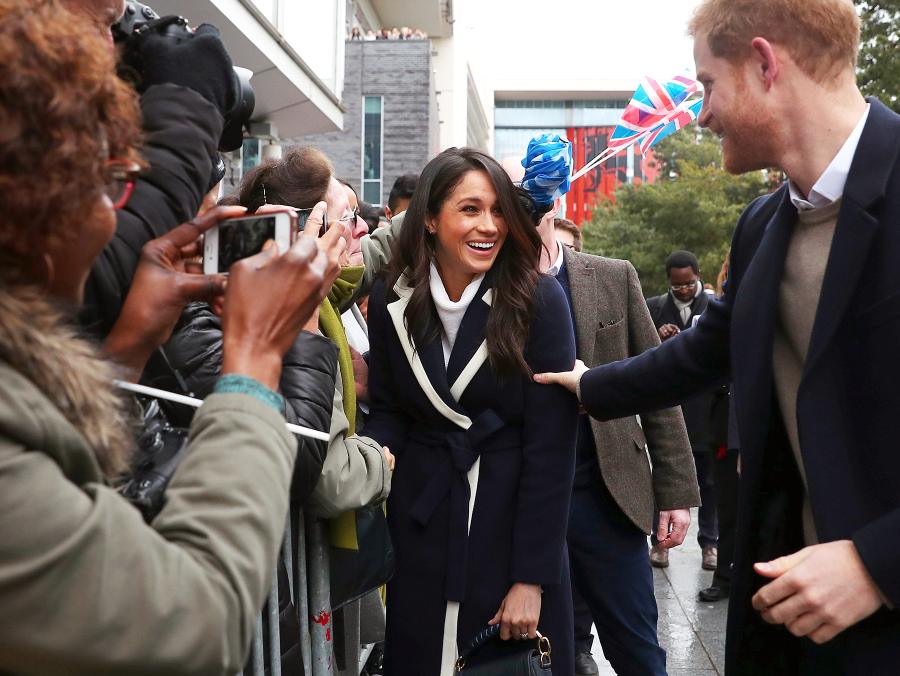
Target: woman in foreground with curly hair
(87,587)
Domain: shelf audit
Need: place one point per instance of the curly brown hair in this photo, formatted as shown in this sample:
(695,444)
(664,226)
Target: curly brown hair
(63,113)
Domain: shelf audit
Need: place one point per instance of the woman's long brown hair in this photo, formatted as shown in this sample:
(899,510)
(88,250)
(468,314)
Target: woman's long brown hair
(514,273)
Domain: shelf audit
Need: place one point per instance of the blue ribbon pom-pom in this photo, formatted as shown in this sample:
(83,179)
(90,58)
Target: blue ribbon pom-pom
(548,167)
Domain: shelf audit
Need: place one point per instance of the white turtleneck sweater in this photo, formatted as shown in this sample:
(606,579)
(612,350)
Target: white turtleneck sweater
(450,312)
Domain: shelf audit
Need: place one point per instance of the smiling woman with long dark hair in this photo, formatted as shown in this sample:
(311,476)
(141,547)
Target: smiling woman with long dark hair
(480,494)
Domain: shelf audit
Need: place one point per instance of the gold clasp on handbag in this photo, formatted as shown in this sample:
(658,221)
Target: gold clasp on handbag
(544,649)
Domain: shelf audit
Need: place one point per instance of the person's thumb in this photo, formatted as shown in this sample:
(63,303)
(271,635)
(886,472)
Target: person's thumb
(662,530)
(548,378)
(778,567)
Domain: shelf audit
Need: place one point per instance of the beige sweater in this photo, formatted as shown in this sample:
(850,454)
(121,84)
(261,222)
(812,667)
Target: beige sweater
(801,286)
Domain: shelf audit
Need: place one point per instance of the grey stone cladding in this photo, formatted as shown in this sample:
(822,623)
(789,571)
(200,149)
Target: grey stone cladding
(399,71)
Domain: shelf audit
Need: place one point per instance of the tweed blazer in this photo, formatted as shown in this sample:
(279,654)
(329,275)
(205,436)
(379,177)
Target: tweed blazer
(612,322)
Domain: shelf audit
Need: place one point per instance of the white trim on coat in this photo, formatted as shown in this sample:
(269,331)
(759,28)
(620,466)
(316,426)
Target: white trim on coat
(450,648)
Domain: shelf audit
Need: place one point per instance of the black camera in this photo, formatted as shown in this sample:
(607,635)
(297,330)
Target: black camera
(139,18)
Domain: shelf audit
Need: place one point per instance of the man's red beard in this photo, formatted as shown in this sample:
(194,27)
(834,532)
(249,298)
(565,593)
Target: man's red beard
(752,137)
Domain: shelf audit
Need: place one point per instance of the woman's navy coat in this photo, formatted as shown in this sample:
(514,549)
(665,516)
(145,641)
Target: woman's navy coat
(513,441)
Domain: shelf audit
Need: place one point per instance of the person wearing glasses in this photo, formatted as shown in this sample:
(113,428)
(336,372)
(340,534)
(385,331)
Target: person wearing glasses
(86,586)
(673,312)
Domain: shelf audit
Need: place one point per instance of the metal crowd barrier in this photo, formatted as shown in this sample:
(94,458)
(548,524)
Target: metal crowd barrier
(306,561)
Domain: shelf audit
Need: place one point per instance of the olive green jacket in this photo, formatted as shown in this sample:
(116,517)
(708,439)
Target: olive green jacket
(86,587)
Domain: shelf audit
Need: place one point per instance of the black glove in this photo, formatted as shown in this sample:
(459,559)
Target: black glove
(164,52)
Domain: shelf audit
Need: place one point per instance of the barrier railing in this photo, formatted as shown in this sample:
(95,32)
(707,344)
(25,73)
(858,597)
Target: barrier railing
(306,560)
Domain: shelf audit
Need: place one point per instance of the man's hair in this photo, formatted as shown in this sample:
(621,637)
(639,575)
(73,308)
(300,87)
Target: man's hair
(682,259)
(822,36)
(569,226)
(403,189)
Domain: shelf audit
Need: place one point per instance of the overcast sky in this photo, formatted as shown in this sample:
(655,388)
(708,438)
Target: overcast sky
(578,39)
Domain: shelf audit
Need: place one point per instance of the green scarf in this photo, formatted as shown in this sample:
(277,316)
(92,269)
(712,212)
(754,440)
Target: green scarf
(342,532)
(332,327)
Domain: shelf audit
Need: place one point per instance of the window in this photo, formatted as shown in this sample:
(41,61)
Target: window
(372,137)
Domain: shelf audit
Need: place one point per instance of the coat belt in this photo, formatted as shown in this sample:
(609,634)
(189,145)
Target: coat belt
(487,433)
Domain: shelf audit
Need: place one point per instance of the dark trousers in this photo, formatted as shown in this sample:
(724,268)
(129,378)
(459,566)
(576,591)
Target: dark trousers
(583,621)
(725,472)
(611,570)
(708,527)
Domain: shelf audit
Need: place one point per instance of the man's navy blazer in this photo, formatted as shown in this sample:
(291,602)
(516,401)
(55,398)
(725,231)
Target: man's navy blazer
(848,403)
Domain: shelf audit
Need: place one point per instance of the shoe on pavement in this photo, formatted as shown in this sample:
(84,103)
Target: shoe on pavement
(710,557)
(713,593)
(585,665)
(659,557)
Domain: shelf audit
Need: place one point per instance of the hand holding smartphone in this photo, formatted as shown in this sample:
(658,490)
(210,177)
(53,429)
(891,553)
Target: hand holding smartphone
(237,238)
(260,320)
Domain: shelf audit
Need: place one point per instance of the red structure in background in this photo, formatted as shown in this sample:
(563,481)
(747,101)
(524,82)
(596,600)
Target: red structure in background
(600,185)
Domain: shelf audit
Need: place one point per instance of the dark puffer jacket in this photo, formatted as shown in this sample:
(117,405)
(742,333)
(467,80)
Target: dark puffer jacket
(192,360)
(181,134)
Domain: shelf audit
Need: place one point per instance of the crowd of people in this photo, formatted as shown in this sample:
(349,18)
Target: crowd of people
(436,350)
(403,33)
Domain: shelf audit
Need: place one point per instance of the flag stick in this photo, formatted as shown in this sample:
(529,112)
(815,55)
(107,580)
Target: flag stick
(612,152)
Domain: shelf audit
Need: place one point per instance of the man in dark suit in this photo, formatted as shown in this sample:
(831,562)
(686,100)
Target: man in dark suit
(807,331)
(672,313)
(614,492)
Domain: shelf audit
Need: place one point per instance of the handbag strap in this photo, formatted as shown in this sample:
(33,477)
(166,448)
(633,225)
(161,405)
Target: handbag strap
(492,633)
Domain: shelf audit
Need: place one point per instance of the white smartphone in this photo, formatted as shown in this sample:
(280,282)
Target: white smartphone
(237,238)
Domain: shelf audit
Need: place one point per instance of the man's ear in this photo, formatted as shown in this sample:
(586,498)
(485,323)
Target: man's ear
(765,61)
(557,203)
(388,214)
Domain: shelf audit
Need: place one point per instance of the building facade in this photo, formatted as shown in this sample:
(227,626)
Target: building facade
(390,119)
(404,100)
(587,118)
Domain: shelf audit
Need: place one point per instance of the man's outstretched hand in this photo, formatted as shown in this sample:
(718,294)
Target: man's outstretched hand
(568,379)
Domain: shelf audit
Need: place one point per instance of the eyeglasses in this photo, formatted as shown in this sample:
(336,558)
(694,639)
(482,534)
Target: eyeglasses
(683,287)
(120,176)
(351,217)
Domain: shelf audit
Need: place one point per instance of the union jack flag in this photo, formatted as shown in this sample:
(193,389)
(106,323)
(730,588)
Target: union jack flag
(675,121)
(651,106)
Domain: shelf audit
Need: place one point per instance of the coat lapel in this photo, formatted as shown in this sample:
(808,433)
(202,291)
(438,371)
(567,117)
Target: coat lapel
(587,305)
(856,227)
(470,348)
(755,313)
(426,362)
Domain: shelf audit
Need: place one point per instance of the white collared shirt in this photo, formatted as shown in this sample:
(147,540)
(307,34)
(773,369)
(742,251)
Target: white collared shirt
(558,263)
(830,186)
(684,308)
